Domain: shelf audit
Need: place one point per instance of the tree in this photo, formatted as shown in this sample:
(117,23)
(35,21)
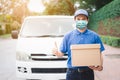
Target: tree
(17,8)
(86,4)
(101,3)
(91,5)
(59,7)
(5,6)
(20,10)
(68,7)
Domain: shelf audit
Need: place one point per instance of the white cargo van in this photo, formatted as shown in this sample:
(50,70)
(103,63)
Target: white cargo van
(36,39)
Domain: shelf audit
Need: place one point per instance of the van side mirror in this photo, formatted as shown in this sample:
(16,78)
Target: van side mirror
(14,34)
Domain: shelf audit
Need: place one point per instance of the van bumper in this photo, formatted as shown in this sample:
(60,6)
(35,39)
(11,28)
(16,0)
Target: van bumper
(42,76)
(43,70)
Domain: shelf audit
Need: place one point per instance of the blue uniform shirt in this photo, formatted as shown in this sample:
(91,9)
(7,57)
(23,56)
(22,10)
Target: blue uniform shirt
(76,37)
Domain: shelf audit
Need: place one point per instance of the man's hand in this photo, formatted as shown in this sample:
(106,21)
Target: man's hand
(99,68)
(56,52)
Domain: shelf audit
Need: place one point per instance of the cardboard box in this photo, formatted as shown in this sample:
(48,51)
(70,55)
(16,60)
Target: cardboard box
(85,55)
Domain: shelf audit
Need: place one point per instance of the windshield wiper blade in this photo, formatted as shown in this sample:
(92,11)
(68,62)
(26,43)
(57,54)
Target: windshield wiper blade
(50,36)
(46,36)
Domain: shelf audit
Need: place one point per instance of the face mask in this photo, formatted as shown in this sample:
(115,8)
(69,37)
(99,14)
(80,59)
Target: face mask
(81,24)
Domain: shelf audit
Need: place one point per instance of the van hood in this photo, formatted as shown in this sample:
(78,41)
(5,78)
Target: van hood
(38,45)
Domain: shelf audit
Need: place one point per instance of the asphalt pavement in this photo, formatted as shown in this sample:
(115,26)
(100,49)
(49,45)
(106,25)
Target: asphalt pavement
(111,64)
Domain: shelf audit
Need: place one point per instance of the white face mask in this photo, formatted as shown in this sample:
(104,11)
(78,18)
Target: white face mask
(81,24)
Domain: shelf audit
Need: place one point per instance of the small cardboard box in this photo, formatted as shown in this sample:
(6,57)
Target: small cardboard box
(86,55)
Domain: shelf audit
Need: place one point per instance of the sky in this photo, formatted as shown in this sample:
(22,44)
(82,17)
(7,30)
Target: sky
(36,6)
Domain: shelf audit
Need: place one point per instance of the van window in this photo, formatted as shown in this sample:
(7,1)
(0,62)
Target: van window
(47,26)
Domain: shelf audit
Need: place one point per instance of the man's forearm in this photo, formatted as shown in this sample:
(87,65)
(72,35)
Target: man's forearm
(101,56)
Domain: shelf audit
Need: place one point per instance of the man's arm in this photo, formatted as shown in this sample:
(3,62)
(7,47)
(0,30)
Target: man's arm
(99,67)
(56,52)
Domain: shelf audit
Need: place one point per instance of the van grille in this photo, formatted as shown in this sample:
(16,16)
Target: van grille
(49,70)
(44,57)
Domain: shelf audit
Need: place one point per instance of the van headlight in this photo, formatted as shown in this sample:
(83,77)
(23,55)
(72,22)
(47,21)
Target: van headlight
(23,56)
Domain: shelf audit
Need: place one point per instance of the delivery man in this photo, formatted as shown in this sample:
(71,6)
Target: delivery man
(80,35)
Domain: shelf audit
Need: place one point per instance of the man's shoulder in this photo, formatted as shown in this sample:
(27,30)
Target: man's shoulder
(92,32)
(69,33)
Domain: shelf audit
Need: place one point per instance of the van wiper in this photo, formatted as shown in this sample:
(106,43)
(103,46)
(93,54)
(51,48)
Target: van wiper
(45,36)
(50,36)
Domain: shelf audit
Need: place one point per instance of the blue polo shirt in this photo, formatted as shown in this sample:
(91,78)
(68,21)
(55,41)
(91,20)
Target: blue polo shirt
(76,37)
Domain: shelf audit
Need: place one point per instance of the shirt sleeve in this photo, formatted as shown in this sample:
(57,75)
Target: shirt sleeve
(98,40)
(63,46)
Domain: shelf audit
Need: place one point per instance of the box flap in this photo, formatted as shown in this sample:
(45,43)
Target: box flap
(85,46)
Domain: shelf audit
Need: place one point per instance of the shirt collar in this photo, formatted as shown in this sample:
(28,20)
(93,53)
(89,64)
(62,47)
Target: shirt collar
(78,32)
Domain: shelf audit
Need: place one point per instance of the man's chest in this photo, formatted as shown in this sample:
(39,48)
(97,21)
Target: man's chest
(82,39)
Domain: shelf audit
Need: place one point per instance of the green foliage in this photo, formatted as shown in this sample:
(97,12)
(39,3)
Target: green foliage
(59,7)
(5,36)
(110,40)
(1,18)
(8,28)
(8,18)
(1,31)
(101,3)
(108,11)
(15,25)
(110,27)
(106,21)
(92,5)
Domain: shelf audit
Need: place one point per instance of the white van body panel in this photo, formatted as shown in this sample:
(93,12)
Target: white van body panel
(38,45)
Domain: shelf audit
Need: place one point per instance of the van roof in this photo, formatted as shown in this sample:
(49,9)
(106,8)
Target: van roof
(49,16)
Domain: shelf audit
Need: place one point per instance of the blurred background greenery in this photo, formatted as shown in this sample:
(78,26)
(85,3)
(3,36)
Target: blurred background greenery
(104,15)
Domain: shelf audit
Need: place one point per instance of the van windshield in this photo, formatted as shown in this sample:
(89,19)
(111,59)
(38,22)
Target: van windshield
(47,27)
